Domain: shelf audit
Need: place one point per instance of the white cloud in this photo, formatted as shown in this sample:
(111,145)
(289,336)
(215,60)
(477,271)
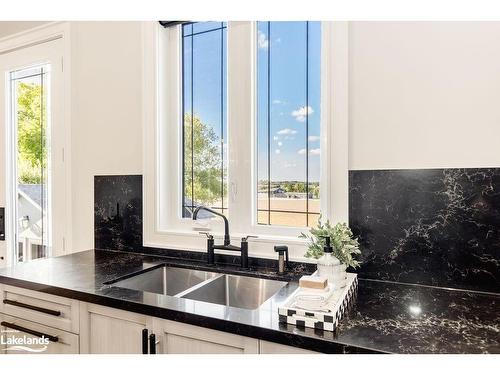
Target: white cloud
(315,151)
(314,138)
(276,138)
(277,151)
(277,101)
(289,165)
(301,113)
(280,143)
(286,131)
(262,40)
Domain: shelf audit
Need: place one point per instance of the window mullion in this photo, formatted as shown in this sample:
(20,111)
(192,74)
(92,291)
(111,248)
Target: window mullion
(240,132)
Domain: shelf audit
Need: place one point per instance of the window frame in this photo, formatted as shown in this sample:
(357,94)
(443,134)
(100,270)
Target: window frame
(163,223)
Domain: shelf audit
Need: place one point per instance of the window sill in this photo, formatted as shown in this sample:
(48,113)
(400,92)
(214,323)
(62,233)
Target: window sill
(262,247)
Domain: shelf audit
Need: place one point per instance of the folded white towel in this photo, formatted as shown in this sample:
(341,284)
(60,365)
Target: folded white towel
(313,291)
(312,299)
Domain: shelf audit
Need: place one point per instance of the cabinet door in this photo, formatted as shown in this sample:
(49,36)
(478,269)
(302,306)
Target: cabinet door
(19,336)
(180,338)
(104,330)
(3,256)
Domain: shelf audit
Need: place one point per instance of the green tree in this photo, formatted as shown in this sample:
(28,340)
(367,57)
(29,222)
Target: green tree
(202,160)
(315,190)
(31,133)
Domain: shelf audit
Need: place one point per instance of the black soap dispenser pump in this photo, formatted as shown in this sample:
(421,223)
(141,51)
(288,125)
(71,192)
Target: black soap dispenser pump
(328,247)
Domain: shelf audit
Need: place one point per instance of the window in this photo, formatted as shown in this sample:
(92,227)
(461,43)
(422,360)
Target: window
(288,123)
(259,97)
(204,124)
(288,120)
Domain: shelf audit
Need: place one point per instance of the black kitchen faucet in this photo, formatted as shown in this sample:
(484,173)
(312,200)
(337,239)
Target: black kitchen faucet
(211,247)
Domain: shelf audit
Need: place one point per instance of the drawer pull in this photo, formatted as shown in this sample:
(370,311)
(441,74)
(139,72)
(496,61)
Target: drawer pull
(29,331)
(35,308)
(144,341)
(152,343)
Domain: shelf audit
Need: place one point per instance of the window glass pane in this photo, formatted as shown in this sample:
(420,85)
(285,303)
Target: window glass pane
(204,109)
(187,29)
(30,117)
(288,100)
(200,27)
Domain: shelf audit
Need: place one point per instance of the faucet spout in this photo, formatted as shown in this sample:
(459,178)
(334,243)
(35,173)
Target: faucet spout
(227,239)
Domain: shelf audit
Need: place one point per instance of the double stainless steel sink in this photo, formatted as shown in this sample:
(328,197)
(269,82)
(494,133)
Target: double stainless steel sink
(222,289)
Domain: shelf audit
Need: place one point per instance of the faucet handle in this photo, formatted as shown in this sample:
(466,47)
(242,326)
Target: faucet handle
(209,236)
(245,239)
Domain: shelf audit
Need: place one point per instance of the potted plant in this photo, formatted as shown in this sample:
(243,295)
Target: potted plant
(345,245)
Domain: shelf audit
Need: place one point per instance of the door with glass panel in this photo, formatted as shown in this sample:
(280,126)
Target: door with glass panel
(31,118)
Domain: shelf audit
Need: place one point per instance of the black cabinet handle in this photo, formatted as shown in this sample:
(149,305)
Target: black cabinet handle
(2,224)
(29,331)
(34,308)
(152,343)
(144,341)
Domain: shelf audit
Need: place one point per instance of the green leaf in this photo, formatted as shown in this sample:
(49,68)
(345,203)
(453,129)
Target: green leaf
(345,245)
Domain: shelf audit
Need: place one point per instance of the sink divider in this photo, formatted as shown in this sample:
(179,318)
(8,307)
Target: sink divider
(197,286)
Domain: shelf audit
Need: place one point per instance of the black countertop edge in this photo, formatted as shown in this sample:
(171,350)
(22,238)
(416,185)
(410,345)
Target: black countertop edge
(285,338)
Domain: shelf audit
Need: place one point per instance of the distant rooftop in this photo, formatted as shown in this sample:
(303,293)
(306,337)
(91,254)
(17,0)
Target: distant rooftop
(34,191)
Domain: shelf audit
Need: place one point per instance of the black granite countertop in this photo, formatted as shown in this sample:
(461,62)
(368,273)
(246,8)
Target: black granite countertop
(386,318)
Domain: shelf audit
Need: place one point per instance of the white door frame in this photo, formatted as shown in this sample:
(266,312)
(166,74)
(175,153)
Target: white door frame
(20,43)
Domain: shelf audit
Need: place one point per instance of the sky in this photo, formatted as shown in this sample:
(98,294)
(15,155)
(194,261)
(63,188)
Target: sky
(290,112)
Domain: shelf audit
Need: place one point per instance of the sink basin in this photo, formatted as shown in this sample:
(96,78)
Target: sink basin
(236,291)
(165,280)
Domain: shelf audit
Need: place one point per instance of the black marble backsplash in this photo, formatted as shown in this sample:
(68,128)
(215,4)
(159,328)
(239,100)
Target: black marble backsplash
(118,212)
(428,226)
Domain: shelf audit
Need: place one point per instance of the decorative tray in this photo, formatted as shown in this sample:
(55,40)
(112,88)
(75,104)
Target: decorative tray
(338,304)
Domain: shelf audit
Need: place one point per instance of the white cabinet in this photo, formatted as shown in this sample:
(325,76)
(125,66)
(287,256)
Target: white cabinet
(16,334)
(104,330)
(180,338)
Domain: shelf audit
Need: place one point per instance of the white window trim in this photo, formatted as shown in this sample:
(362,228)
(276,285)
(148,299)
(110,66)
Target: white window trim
(162,224)
(63,212)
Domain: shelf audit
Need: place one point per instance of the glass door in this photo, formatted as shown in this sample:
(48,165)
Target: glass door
(35,172)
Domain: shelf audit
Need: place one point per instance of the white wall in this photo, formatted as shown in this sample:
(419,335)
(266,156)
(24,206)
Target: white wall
(13,27)
(106,113)
(424,94)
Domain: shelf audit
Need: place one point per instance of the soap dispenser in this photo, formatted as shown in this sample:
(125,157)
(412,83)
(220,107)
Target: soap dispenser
(329,266)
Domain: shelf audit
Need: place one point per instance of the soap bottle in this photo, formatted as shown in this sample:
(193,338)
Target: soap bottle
(329,266)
